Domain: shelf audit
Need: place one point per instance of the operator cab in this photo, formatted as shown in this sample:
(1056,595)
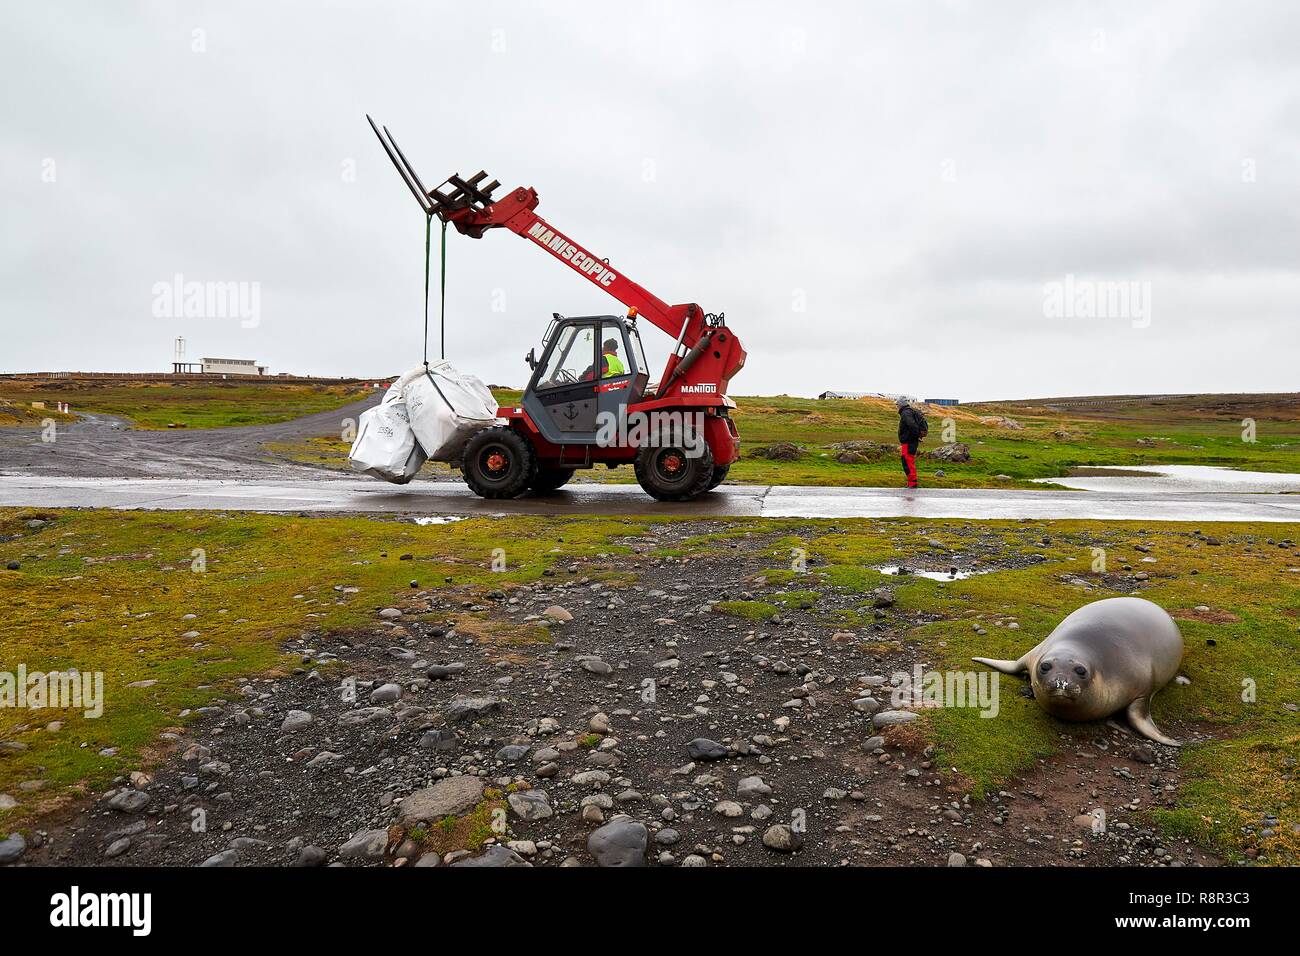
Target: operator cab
(591,366)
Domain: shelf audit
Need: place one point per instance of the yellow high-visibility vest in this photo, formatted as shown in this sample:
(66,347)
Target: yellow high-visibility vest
(613,365)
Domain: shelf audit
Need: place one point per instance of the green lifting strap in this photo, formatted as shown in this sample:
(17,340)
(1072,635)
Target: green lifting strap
(442,284)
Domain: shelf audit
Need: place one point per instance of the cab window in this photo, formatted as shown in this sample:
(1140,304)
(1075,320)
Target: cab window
(572,360)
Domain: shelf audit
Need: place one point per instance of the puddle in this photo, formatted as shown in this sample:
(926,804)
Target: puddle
(1177,479)
(953,575)
(439,519)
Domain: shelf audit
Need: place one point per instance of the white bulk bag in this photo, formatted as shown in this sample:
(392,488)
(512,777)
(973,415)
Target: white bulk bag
(446,407)
(385,445)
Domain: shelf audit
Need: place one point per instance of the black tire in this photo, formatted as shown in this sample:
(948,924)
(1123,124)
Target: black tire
(667,474)
(550,479)
(499,463)
(719,473)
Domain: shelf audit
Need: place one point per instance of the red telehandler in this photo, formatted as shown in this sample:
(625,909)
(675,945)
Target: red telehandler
(589,400)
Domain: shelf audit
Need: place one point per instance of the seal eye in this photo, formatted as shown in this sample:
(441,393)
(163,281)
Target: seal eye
(1081,670)
(1045,666)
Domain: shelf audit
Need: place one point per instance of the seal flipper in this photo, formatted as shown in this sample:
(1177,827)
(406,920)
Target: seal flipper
(1139,715)
(1006,667)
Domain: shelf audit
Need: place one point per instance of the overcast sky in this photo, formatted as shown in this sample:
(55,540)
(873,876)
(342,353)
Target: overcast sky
(881,196)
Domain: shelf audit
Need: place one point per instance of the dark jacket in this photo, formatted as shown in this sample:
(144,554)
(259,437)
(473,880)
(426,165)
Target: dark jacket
(912,426)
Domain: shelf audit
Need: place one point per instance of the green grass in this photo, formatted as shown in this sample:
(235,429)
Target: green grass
(108,591)
(1252,765)
(750,610)
(1182,435)
(1049,445)
(192,404)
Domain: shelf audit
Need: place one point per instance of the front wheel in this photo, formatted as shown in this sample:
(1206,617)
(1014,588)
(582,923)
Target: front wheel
(499,463)
(719,473)
(669,474)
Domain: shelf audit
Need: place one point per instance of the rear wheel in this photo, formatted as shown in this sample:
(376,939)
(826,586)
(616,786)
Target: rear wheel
(669,474)
(549,479)
(499,463)
(719,473)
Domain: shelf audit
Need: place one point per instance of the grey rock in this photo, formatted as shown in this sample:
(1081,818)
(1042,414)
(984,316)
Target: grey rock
(889,718)
(446,798)
(12,848)
(621,842)
(365,715)
(443,671)
(366,845)
(439,739)
(471,708)
(497,855)
(223,859)
(295,721)
(512,753)
(782,838)
(129,801)
(702,748)
(386,694)
(310,856)
(530,804)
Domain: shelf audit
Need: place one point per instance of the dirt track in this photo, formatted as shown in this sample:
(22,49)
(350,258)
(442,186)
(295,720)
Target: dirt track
(103,446)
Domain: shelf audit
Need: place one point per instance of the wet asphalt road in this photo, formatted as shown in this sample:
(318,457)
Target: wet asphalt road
(98,462)
(366,495)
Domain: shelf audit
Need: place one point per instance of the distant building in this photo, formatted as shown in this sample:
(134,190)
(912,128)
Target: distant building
(220,366)
(825,395)
(891,396)
(942,401)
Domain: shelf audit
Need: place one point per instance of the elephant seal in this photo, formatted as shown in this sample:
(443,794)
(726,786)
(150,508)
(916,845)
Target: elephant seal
(1109,655)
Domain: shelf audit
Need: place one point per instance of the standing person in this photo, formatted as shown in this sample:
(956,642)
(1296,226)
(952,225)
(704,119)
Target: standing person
(912,429)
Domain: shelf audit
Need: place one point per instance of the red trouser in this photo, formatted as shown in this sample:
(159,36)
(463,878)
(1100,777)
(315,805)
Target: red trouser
(908,454)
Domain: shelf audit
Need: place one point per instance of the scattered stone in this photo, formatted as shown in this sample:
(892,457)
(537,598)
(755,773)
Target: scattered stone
(471,708)
(446,798)
(443,671)
(129,801)
(890,718)
(12,848)
(496,855)
(366,845)
(310,856)
(702,748)
(782,838)
(621,842)
(295,721)
(530,804)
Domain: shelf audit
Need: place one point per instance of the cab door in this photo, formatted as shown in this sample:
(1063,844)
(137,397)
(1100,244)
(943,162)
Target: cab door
(562,397)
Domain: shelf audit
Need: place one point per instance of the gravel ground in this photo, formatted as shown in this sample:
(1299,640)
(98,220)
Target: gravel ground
(651,729)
